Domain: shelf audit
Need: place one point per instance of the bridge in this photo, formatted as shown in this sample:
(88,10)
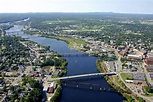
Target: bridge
(13,32)
(67,54)
(83,75)
(86,85)
(72,54)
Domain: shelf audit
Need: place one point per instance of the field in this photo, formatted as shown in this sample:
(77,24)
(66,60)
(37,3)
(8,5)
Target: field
(58,21)
(73,43)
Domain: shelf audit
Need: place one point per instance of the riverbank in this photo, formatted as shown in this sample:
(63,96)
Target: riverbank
(52,61)
(75,44)
(118,85)
(57,94)
(72,42)
(83,65)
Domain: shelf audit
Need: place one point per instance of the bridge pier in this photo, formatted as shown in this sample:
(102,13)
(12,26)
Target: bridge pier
(85,85)
(104,89)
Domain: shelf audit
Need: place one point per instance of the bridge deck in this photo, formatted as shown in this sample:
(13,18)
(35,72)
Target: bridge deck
(83,75)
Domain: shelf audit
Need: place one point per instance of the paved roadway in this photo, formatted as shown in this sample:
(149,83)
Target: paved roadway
(2,100)
(83,75)
(119,70)
(147,75)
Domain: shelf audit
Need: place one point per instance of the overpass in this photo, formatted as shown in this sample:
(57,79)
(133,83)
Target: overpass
(83,75)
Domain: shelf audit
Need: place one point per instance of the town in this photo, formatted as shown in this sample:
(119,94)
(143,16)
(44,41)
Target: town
(14,74)
(126,50)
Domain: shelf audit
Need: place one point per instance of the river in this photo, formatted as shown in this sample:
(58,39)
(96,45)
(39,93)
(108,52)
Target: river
(76,65)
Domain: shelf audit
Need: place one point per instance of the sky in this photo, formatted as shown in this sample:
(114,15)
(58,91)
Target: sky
(116,6)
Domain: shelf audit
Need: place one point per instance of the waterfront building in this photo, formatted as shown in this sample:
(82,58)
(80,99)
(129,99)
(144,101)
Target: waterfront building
(53,84)
(50,90)
(52,87)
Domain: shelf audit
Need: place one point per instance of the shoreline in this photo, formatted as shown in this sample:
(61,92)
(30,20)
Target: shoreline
(97,67)
(107,78)
(118,85)
(71,42)
(55,97)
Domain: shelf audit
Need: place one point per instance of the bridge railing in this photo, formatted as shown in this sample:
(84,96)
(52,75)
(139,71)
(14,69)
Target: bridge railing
(84,75)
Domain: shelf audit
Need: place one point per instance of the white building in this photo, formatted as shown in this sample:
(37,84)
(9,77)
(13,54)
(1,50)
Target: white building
(136,57)
(53,84)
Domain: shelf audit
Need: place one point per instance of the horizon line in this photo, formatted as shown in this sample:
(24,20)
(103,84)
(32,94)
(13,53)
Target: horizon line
(77,12)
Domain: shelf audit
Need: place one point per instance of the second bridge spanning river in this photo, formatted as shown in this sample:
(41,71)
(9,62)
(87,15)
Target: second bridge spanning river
(83,75)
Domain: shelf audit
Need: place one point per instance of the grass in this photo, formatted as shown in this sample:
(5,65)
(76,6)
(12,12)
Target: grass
(125,77)
(116,79)
(149,95)
(47,67)
(148,23)
(58,21)
(72,42)
(121,84)
(2,48)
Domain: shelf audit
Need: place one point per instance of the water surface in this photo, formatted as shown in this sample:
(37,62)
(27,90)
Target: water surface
(76,65)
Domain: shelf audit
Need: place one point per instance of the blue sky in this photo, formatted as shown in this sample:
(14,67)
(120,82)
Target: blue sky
(117,6)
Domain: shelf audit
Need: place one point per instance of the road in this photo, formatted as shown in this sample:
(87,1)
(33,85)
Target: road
(147,75)
(119,64)
(83,75)
(119,70)
(2,100)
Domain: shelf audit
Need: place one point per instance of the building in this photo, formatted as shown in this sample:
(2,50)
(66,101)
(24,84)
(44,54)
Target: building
(123,53)
(151,76)
(120,48)
(150,55)
(149,59)
(53,84)
(50,90)
(149,68)
(21,68)
(135,57)
(142,52)
(129,81)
